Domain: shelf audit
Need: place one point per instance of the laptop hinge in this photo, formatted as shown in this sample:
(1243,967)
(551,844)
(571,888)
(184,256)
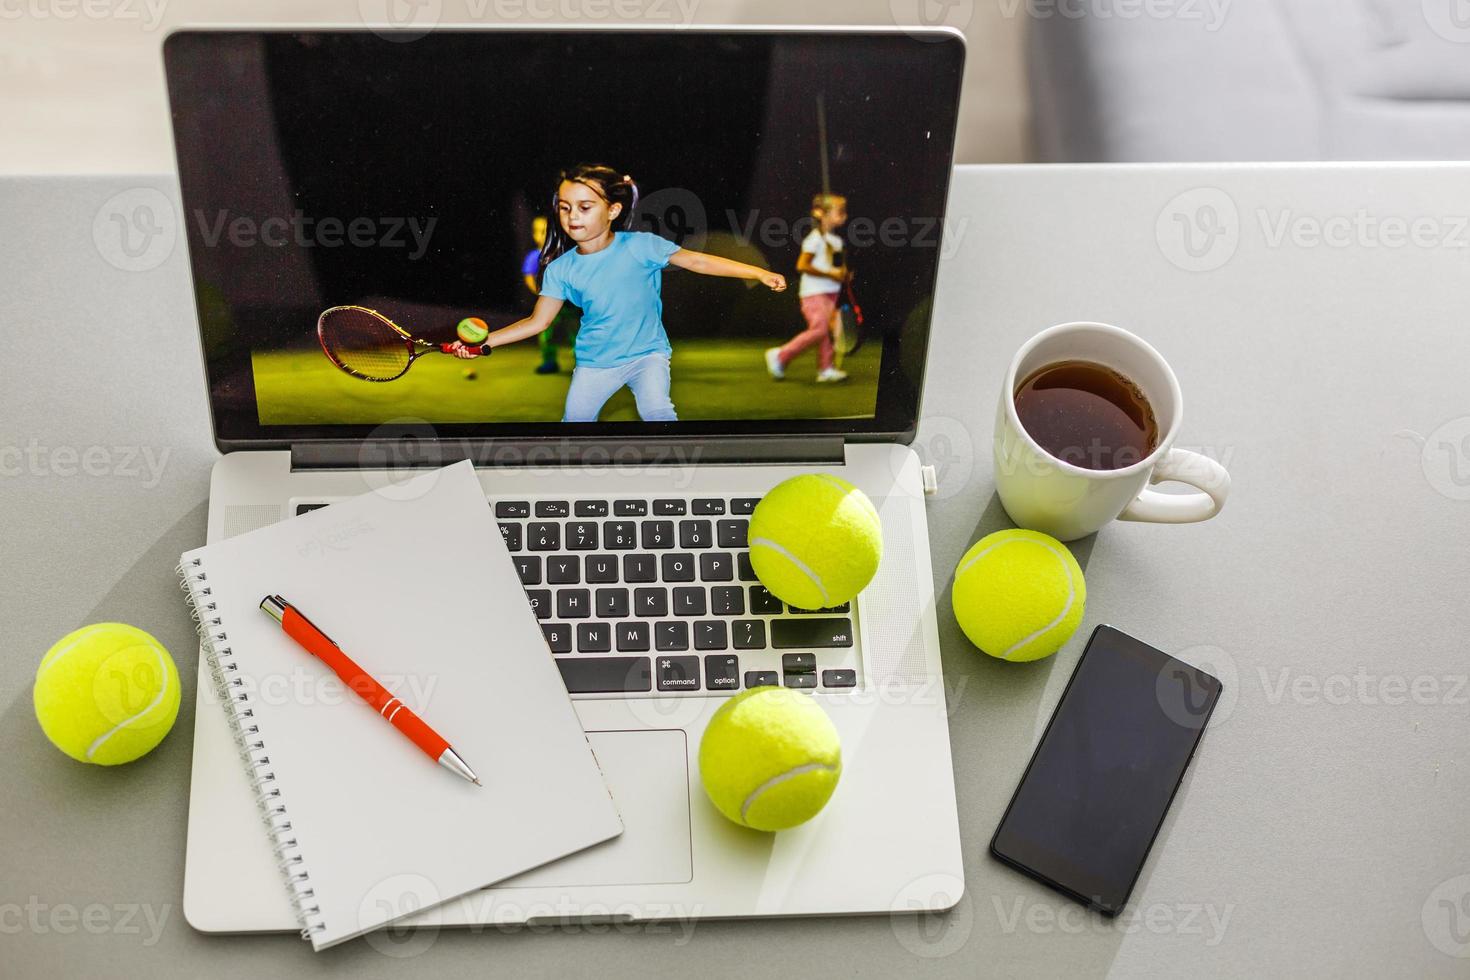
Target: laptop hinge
(412,449)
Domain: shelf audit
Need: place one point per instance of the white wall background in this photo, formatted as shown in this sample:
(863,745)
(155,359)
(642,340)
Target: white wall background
(81,81)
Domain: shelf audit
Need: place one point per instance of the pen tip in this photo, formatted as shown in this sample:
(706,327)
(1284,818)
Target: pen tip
(478,783)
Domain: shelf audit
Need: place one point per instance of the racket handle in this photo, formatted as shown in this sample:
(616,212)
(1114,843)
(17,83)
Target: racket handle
(485,349)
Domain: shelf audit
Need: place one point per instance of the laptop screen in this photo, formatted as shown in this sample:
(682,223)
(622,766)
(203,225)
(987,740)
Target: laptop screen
(564,232)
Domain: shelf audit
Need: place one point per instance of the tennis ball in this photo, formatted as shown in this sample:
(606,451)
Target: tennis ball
(469,374)
(815,541)
(472,330)
(1019,595)
(107,693)
(770,758)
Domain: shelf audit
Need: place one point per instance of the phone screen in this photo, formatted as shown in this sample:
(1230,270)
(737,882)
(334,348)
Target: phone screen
(1100,783)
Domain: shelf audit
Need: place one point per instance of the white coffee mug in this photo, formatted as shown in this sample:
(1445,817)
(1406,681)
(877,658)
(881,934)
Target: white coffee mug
(1047,494)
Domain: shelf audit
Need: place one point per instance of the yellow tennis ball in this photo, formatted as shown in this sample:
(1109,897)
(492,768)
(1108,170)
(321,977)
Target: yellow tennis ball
(770,758)
(472,330)
(107,693)
(1019,595)
(815,541)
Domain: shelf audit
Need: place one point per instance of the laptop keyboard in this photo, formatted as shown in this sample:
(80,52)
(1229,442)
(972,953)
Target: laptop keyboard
(640,596)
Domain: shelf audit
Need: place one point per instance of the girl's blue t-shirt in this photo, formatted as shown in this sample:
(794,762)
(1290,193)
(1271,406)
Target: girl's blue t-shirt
(620,293)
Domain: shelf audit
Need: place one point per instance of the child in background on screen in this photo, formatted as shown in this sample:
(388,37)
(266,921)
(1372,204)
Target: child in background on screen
(823,274)
(530,276)
(615,276)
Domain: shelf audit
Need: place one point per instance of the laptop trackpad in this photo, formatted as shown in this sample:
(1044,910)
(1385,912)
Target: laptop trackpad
(648,774)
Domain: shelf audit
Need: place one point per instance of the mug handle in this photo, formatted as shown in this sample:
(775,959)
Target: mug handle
(1180,465)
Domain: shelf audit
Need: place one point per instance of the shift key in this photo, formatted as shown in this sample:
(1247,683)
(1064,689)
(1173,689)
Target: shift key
(814,633)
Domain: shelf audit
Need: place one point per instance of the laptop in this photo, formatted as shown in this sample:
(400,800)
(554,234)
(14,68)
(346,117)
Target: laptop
(440,182)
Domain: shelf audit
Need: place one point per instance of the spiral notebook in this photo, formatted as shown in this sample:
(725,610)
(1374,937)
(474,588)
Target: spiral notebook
(414,582)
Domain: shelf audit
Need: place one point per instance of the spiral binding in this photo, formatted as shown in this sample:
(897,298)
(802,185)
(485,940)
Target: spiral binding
(236,701)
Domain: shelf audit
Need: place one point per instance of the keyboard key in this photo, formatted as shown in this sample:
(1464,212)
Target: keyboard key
(678,673)
(543,537)
(732,534)
(512,535)
(761,601)
(671,635)
(762,678)
(744,505)
(563,570)
(716,566)
(513,508)
(705,506)
(582,536)
(602,568)
(816,633)
(743,569)
(553,508)
(591,508)
(651,602)
(799,663)
(658,534)
(528,567)
(721,672)
(710,634)
(606,675)
(845,607)
(639,568)
(558,637)
(540,600)
(612,603)
(727,600)
(620,535)
(633,636)
(799,681)
(750,634)
(594,637)
(695,534)
(307,508)
(668,508)
(630,508)
(689,602)
(678,567)
(839,678)
(573,604)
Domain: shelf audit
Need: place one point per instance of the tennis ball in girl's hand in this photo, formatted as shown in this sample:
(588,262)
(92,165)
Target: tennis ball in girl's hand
(1019,595)
(770,758)
(106,693)
(815,541)
(472,330)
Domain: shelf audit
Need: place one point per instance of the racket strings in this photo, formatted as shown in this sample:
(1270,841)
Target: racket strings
(365,344)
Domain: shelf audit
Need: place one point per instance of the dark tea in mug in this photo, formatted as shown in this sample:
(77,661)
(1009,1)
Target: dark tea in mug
(1088,415)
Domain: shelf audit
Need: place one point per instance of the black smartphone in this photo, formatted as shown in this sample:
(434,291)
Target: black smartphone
(1097,789)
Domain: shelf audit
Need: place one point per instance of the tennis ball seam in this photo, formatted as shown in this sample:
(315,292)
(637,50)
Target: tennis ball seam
(777,780)
(1066,608)
(81,634)
(801,566)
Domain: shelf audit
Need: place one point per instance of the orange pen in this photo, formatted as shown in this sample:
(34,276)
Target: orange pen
(387,704)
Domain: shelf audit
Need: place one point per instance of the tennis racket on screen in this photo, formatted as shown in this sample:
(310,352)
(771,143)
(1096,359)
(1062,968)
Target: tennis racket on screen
(848,334)
(371,347)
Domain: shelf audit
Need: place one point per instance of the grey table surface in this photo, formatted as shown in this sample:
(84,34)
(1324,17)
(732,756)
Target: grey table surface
(1317,318)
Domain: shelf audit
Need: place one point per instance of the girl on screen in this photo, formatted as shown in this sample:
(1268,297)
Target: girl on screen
(823,274)
(592,260)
